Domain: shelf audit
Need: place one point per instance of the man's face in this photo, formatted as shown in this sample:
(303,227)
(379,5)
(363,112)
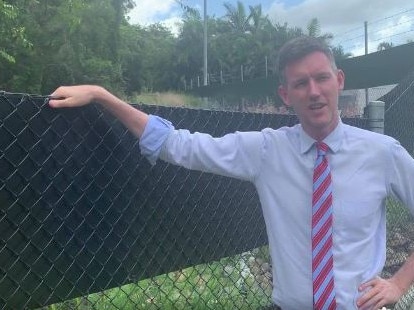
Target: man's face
(312,89)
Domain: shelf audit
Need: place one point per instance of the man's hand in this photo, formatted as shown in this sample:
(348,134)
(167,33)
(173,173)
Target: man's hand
(77,96)
(74,96)
(379,292)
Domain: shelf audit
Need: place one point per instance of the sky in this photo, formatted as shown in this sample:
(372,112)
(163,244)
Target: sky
(388,20)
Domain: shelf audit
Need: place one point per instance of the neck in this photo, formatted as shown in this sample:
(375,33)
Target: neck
(319,134)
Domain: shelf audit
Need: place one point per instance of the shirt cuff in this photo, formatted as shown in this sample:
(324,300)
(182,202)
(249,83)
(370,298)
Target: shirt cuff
(155,133)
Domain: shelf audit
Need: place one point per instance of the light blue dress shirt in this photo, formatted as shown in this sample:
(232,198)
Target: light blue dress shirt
(366,168)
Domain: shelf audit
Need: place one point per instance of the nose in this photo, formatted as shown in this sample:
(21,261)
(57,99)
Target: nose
(314,91)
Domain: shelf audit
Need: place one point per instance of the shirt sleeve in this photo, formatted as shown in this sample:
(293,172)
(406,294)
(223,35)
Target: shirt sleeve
(237,155)
(154,136)
(402,175)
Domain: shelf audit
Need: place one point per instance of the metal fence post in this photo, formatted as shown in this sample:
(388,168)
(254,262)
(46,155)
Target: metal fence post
(376,113)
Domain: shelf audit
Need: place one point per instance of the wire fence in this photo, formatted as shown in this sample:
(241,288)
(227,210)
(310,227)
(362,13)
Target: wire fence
(87,223)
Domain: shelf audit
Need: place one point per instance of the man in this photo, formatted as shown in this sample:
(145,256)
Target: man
(323,259)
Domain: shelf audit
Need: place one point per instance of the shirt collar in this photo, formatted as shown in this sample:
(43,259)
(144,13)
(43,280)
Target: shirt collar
(333,140)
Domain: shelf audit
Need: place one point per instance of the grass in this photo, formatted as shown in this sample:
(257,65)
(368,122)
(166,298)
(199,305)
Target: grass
(169,99)
(189,101)
(225,284)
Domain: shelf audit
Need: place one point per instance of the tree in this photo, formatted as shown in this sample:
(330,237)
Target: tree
(12,34)
(339,53)
(131,57)
(256,17)
(186,8)
(314,30)
(158,53)
(44,44)
(15,45)
(188,52)
(72,42)
(384,46)
(237,18)
(121,8)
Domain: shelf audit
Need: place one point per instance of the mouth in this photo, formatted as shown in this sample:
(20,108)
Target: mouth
(317,106)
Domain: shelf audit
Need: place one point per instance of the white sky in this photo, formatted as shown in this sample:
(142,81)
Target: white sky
(388,20)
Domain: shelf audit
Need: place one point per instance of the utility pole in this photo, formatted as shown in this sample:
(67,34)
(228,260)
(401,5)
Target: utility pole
(366,53)
(205,44)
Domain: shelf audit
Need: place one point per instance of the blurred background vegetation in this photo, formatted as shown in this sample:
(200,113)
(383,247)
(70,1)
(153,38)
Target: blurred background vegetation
(44,44)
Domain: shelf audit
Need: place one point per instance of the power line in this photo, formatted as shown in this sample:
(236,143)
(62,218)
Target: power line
(379,30)
(391,16)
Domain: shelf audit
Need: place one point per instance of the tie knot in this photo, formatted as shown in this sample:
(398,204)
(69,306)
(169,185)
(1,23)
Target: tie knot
(322,148)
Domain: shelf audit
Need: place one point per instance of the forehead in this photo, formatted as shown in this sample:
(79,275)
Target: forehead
(314,63)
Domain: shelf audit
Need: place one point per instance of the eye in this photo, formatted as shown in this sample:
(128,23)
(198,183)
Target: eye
(323,77)
(300,83)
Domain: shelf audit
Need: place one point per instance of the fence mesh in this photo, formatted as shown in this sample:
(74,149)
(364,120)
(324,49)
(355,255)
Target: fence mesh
(87,223)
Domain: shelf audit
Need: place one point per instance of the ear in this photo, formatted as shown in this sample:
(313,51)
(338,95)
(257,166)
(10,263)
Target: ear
(282,91)
(340,76)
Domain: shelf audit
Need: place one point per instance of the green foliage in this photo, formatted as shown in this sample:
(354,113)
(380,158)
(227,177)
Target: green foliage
(71,42)
(237,18)
(44,44)
(6,56)
(186,8)
(130,55)
(158,53)
(384,46)
(339,53)
(223,284)
(12,33)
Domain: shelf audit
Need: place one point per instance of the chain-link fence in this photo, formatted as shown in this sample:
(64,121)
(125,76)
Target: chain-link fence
(87,223)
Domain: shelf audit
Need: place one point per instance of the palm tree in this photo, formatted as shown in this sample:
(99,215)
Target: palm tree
(339,53)
(237,17)
(257,17)
(186,8)
(314,30)
(284,33)
(384,46)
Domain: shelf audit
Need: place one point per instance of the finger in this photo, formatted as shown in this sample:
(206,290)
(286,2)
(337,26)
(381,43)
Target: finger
(56,99)
(381,303)
(368,297)
(60,92)
(377,302)
(59,102)
(368,284)
(68,102)
(364,287)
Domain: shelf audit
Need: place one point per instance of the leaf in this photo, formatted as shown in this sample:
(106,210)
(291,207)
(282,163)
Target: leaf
(7,56)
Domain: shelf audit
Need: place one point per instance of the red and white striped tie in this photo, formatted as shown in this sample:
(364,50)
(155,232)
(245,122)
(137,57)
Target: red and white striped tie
(322,258)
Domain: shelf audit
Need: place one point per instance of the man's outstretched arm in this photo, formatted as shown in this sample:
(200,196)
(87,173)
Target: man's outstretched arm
(76,96)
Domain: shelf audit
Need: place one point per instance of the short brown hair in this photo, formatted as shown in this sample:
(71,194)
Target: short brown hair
(298,48)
